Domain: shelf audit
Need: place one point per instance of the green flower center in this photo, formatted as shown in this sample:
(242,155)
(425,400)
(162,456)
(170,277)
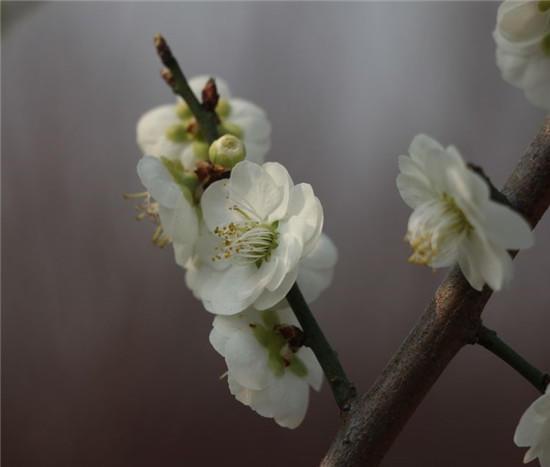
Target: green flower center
(246,242)
(280,355)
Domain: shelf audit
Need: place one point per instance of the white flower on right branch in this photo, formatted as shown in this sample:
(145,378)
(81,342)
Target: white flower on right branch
(522,37)
(533,431)
(266,369)
(454,220)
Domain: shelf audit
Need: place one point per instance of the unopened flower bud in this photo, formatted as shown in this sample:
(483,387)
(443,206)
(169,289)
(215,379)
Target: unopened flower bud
(227,151)
(223,108)
(177,133)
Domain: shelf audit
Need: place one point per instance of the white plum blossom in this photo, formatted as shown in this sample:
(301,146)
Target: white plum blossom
(533,430)
(258,226)
(522,37)
(315,271)
(174,204)
(265,370)
(454,220)
(170,130)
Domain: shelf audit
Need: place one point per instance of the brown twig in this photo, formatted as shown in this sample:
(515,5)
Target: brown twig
(451,321)
(173,76)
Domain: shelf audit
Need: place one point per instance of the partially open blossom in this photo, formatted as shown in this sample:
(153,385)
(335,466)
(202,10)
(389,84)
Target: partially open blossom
(171,131)
(454,220)
(176,209)
(267,368)
(522,37)
(533,431)
(258,227)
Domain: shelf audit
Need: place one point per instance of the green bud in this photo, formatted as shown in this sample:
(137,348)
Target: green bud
(200,149)
(223,108)
(177,133)
(545,44)
(544,5)
(229,128)
(183,111)
(227,151)
(297,367)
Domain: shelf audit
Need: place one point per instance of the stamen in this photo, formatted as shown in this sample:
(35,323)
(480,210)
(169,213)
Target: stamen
(246,242)
(436,229)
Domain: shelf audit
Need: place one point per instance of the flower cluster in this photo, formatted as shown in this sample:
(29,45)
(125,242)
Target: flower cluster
(245,233)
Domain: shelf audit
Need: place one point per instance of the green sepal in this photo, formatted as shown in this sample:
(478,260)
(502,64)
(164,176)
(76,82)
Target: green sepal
(261,334)
(270,318)
(187,181)
(297,367)
(200,149)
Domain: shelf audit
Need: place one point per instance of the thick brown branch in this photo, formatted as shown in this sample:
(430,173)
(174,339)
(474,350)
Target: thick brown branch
(451,321)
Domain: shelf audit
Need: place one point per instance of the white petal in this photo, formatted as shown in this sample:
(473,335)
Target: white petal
(180,223)
(254,189)
(521,21)
(237,288)
(314,371)
(182,253)
(251,119)
(152,125)
(216,206)
(158,181)
(282,179)
(242,394)
(269,299)
(470,271)
(247,360)
(256,152)
(187,157)
(293,406)
(507,228)
(493,263)
(306,208)
(414,190)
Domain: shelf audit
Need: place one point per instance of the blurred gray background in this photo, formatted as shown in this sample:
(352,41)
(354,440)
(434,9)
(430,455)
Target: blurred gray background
(106,360)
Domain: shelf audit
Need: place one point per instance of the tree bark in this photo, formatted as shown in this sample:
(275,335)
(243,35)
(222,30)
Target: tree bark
(451,321)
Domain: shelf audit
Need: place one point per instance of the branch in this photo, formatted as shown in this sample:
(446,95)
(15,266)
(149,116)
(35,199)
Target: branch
(174,77)
(451,321)
(489,339)
(342,389)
